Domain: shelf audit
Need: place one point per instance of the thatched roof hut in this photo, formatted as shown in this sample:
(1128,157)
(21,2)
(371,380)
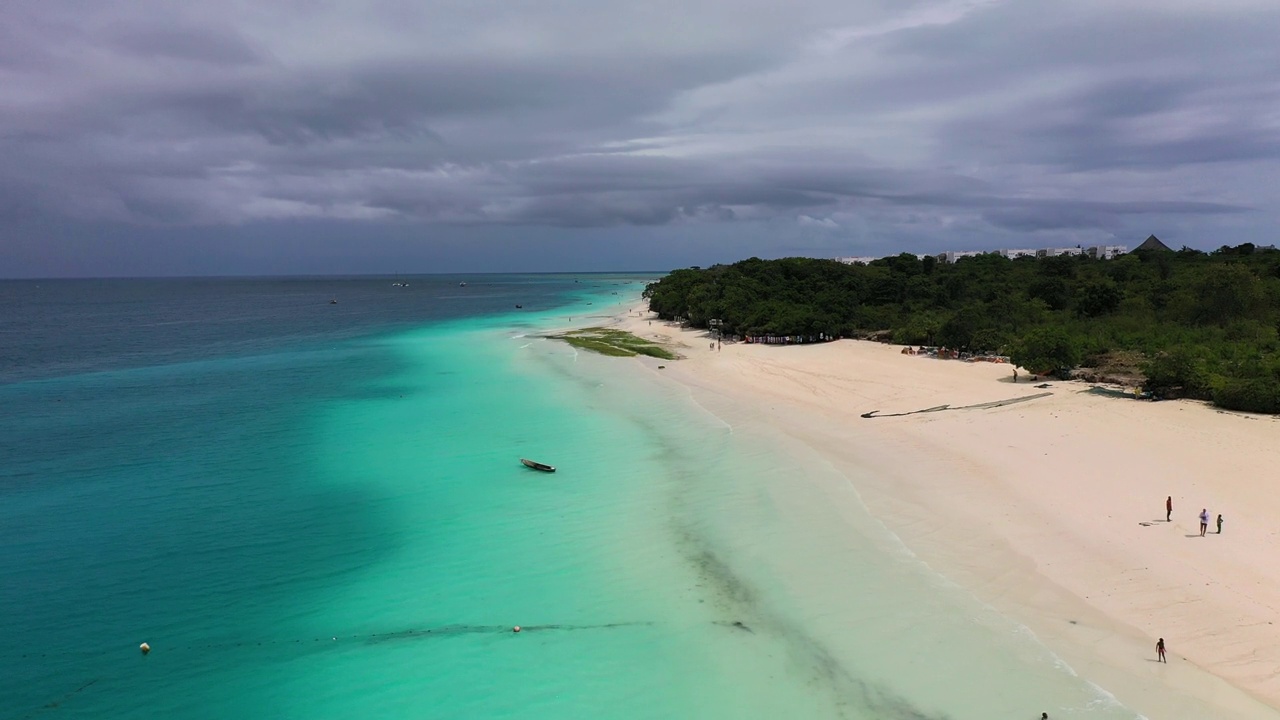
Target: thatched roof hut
(1153,243)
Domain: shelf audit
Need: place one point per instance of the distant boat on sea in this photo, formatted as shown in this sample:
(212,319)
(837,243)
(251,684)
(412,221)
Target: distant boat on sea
(519,307)
(333,301)
(537,465)
(462,284)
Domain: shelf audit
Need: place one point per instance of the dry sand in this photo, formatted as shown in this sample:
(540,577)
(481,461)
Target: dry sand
(1051,509)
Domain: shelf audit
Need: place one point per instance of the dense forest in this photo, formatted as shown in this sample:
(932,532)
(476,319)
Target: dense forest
(1185,323)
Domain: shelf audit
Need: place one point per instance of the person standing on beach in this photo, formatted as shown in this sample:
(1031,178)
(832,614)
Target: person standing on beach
(1160,651)
(1204,520)
(1219,523)
(1168,509)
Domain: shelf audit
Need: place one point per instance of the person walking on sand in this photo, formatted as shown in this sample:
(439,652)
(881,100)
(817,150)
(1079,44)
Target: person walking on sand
(1204,520)
(1219,523)
(1160,651)
(1168,509)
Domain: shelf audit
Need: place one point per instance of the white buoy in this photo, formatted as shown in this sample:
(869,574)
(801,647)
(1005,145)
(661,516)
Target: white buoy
(515,629)
(145,648)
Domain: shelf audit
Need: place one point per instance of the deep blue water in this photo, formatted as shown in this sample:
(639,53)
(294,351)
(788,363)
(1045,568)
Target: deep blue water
(55,328)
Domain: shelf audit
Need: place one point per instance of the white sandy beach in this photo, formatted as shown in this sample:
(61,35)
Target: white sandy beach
(1051,510)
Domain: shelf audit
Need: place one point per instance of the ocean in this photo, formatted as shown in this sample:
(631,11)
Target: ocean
(316,510)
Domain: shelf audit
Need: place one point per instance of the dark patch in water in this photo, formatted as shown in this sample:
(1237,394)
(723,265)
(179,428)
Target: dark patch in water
(378,392)
(453,630)
(55,704)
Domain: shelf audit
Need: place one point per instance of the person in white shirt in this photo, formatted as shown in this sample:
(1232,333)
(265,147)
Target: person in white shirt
(1204,521)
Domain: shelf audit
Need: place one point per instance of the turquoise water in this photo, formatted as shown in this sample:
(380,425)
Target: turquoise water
(324,516)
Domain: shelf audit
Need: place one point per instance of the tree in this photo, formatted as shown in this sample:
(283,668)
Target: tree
(1223,294)
(1099,297)
(1045,350)
(1052,290)
(960,329)
(919,329)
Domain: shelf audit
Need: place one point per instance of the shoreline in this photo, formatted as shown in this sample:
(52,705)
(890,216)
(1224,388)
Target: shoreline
(1045,509)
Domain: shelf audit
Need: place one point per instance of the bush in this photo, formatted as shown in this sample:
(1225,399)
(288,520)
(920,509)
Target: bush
(1260,395)
(1177,369)
(1046,350)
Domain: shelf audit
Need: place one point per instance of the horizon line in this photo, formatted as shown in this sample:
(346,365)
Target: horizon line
(320,276)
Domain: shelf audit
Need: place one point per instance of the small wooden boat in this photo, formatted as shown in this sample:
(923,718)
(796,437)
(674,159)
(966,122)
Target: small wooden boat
(537,465)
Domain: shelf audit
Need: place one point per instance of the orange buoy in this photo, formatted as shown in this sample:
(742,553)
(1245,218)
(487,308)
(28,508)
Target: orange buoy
(145,648)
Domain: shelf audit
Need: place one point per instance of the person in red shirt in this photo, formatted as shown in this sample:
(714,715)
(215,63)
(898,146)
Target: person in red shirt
(1168,509)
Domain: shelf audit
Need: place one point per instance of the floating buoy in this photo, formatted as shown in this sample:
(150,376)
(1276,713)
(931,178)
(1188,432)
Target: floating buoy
(515,629)
(145,648)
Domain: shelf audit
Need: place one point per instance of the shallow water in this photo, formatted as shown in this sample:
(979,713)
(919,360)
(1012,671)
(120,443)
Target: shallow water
(312,516)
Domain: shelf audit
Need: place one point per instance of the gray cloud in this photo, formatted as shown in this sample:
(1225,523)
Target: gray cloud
(870,125)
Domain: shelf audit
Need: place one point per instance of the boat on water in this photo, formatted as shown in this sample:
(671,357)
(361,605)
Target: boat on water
(537,465)
(518,307)
(333,301)
(462,284)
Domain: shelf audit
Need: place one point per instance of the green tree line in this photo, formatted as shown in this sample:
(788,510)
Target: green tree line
(1206,324)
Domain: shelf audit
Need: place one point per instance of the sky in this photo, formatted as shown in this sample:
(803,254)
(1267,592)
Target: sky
(415,136)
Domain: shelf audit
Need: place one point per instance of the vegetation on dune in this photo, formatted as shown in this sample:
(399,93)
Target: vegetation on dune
(1201,325)
(616,343)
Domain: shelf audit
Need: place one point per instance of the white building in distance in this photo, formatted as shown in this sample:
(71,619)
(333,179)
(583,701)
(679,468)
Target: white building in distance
(1097,252)
(1106,252)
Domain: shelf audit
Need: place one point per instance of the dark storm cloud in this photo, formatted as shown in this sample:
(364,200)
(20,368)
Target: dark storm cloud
(1030,216)
(874,122)
(190,44)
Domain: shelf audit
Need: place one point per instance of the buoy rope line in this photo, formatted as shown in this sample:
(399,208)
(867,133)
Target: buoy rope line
(367,638)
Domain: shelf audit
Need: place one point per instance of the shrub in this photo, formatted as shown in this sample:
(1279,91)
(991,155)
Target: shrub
(1047,349)
(1177,369)
(1260,395)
